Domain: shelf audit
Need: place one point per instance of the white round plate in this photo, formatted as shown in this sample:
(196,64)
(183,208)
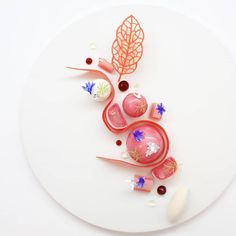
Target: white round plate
(184,66)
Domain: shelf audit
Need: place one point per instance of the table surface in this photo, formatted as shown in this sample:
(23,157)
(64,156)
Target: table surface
(26,27)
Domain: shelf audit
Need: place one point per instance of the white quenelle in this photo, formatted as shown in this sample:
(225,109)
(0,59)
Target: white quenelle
(177,204)
(101,90)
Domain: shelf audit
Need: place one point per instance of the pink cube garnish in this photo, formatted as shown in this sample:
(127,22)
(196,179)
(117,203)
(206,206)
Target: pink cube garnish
(155,113)
(105,65)
(143,183)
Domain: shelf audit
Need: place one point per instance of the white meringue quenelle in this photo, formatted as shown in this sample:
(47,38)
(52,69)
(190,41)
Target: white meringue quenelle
(101,90)
(177,204)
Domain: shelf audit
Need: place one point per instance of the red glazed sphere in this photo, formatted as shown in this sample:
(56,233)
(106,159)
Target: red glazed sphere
(145,144)
(89,61)
(123,85)
(118,142)
(134,105)
(161,190)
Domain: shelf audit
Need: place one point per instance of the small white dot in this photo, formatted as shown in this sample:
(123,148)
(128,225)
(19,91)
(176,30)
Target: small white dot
(92,46)
(125,155)
(152,203)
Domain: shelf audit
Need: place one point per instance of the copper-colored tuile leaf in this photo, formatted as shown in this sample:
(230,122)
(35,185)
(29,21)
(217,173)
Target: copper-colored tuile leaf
(127,48)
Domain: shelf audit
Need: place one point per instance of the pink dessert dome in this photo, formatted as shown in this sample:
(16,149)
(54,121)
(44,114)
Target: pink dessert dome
(146,144)
(134,105)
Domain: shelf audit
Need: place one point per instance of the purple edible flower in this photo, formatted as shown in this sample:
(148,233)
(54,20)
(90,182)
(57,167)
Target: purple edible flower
(160,109)
(88,87)
(140,182)
(138,135)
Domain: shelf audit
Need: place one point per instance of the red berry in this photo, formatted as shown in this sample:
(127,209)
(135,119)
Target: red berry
(118,142)
(161,190)
(123,85)
(89,60)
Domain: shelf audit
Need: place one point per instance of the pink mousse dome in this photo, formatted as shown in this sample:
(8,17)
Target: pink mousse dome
(145,144)
(134,105)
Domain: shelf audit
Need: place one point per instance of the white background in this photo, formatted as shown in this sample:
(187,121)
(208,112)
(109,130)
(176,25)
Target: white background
(26,26)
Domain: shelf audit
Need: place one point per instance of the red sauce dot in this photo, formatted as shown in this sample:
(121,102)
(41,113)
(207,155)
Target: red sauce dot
(118,142)
(161,190)
(89,60)
(123,85)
